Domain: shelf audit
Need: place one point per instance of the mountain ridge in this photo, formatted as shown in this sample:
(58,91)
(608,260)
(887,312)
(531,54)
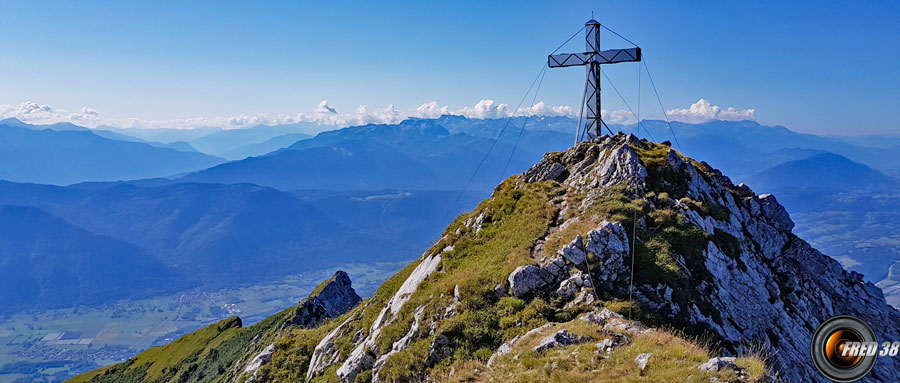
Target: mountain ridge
(554,243)
(191,227)
(96,268)
(824,171)
(70,156)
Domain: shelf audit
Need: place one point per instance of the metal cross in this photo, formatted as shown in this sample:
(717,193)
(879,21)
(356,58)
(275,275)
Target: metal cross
(592,58)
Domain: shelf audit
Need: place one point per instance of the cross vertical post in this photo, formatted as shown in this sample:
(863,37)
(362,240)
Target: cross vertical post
(591,59)
(592,44)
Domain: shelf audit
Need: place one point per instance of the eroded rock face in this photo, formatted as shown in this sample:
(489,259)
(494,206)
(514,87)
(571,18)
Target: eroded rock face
(609,244)
(264,357)
(402,343)
(361,358)
(775,213)
(326,352)
(547,171)
(336,297)
(532,279)
(574,251)
(754,280)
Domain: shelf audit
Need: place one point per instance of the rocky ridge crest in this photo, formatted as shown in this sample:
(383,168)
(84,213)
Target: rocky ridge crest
(753,283)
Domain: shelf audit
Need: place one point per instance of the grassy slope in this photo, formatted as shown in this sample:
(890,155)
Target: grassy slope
(516,217)
(674,359)
(201,356)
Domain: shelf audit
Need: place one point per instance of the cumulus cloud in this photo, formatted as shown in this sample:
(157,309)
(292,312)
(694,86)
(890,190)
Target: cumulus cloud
(704,111)
(324,114)
(541,109)
(31,110)
(324,108)
(431,110)
(485,109)
(85,115)
(35,113)
(327,115)
(619,116)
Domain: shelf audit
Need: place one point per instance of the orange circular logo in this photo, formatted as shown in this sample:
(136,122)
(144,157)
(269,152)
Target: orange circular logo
(844,349)
(835,345)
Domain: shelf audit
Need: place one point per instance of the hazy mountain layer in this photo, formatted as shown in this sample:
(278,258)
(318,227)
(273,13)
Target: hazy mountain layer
(822,172)
(46,262)
(267,146)
(69,156)
(213,235)
(224,142)
(417,154)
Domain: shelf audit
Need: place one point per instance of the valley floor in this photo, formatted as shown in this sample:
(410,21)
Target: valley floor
(53,345)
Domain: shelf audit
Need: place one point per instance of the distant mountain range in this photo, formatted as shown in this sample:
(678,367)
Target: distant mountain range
(443,153)
(105,241)
(744,148)
(236,144)
(822,171)
(300,202)
(46,262)
(844,207)
(419,154)
(177,145)
(65,156)
(59,126)
(449,148)
(267,146)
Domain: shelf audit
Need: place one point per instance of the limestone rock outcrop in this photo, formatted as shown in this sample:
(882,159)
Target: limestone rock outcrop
(330,299)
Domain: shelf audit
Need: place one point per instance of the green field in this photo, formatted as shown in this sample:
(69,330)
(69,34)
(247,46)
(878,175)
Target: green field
(56,344)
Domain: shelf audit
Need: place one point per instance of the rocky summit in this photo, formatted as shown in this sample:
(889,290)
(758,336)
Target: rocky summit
(723,258)
(607,262)
(330,299)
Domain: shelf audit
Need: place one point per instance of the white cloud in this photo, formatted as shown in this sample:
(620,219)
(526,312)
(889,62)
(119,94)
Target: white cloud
(34,108)
(323,113)
(619,116)
(324,108)
(704,111)
(86,115)
(40,114)
(541,109)
(431,110)
(485,109)
(327,115)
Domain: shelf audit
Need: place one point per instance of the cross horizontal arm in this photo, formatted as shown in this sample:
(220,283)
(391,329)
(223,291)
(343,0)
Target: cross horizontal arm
(609,56)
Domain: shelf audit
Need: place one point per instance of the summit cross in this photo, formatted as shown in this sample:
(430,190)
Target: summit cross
(592,58)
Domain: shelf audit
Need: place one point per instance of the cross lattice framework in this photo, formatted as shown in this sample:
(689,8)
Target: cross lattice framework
(592,58)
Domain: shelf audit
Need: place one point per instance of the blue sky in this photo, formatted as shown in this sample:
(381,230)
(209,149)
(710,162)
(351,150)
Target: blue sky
(819,66)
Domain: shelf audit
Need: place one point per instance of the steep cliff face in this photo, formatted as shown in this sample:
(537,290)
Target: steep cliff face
(527,287)
(711,255)
(329,299)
